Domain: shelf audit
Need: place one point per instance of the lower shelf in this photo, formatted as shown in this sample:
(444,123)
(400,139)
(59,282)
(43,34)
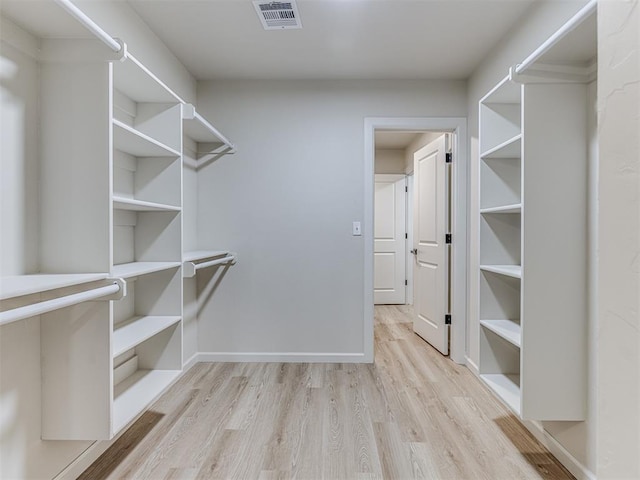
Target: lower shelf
(506,387)
(135,393)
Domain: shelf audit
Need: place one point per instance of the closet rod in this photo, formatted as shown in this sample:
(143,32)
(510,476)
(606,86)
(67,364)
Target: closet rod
(227,259)
(567,28)
(39,308)
(190,268)
(92,26)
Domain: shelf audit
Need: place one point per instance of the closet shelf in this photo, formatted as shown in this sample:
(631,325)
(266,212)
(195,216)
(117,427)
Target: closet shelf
(506,329)
(135,269)
(137,82)
(136,330)
(506,91)
(570,52)
(506,387)
(200,130)
(19,285)
(123,203)
(196,255)
(511,148)
(514,271)
(137,392)
(515,208)
(133,142)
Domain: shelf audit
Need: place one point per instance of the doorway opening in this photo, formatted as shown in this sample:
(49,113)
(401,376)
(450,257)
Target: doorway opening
(407,247)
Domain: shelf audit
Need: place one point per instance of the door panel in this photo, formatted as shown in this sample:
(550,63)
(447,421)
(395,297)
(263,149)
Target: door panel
(431,268)
(389,258)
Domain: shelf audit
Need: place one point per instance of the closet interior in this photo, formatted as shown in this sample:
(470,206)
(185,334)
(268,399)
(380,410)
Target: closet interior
(116,236)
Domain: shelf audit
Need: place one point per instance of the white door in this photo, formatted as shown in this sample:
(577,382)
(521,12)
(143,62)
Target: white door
(431,269)
(389,252)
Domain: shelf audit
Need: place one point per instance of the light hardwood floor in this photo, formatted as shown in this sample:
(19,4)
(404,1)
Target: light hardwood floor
(411,414)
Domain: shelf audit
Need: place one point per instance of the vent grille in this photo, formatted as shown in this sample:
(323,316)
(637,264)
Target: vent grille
(278,15)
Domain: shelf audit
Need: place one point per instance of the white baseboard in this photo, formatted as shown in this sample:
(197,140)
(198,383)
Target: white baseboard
(471,365)
(281,357)
(576,468)
(191,362)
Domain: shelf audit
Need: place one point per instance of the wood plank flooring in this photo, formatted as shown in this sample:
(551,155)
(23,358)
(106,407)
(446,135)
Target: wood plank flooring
(411,414)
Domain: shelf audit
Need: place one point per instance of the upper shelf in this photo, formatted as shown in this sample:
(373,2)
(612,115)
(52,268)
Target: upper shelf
(514,271)
(511,148)
(505,92)
(196,255)
(200,130)
(19,285)
(135,269)
(137,82)
(133,142)
(569,54)
(136,205)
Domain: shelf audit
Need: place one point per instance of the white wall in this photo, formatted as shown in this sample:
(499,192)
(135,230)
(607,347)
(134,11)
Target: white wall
(618,335)
(286,202)
(389,161)
(543,19)
(22,454)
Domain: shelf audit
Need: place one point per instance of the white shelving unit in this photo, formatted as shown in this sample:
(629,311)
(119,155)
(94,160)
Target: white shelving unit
(106,224)
(533,200)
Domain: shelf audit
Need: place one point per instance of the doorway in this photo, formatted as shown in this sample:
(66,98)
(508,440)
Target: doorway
(427,128)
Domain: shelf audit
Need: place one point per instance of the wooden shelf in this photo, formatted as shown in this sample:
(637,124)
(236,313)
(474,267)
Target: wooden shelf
(133,142)
(136,330)
(138,83)
(514,271)
(506,387)
(507,329)
(511,148)
(196,255)
(137,392)
(19,285)
(515,208)
(135,269)
(123,203)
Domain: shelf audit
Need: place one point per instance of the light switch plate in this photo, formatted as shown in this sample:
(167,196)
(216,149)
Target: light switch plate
(357,229)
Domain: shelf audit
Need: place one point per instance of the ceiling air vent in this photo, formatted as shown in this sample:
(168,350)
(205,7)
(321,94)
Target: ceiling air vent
(278,15)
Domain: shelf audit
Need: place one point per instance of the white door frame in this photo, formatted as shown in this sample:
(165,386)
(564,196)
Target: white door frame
(459,207)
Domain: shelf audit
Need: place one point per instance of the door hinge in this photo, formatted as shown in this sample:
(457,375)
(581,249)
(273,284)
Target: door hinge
(449,158)
(406,189)
(448,239)
(406,236)
(406,282)
(447,319)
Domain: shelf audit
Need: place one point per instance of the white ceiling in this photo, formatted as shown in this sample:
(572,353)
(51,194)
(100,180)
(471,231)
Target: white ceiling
(393,140)
(340,39)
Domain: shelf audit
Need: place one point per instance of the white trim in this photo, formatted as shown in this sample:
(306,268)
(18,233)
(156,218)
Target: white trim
(576,468)
(191,362)
(471,365)
(459,207)
(284,357)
